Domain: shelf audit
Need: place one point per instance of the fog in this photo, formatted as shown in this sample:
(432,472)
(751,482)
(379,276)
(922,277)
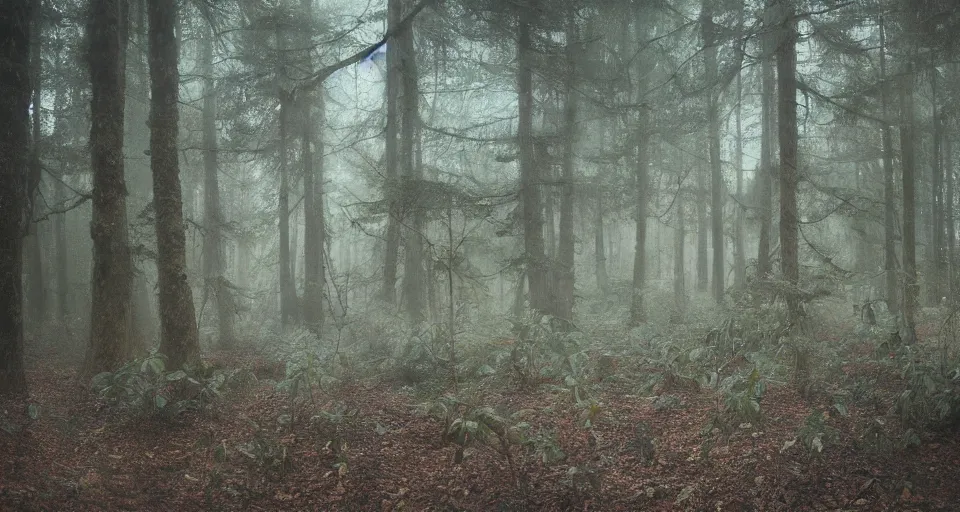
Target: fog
(475,255)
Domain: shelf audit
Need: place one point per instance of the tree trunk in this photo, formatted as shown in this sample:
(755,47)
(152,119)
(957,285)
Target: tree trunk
(937,264)
(295,234)
(889,202)
(315,229)
(179,340)
(789,172)
(908,158)
(716,166)
(36,295)
(15,39)
(112,280)
(638,313)
(679,272)
(314,235)
(765,173)
(288,292)
(949,218)
(548,193)
(703,273)
(603,280)
(212,212)
(518,295)
(529,169)
(413,272)
(392,158)
(565,277)
(739,254)
(62,258)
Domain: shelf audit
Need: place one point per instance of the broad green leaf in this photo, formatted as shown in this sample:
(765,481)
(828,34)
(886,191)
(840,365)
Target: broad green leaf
(153,364)
(788,444)
(177,375)
(685,494)
(160,401)
(817,443)
(695,354)
(327,381)
(33,410)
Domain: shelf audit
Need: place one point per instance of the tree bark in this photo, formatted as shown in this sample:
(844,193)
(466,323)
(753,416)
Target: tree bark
(112,280)
(548,193)
(414,275)
(600,257)
(295,235)
(638,313)
(392,157)
(565,277)
(765,176)
(530,160)
(908,159)
(937,261)
(288,291)
(703,264)
(679,272)
(36,294)
(15,32)
(789,171)
(949,219)
(716,169)
(889,201)
(62,257)
(314,223)
(739,254)
(212,211)
(179,340)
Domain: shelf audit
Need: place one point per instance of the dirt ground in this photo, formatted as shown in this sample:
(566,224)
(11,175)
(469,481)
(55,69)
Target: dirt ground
(254,451)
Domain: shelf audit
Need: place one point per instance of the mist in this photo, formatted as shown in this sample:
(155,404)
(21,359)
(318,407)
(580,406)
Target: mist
(477,255)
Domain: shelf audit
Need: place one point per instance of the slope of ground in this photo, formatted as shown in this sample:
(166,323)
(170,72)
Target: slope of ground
(365,447)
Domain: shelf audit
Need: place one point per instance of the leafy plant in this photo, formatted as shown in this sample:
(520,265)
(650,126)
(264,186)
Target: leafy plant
(742,396)
(331,428)
(268,452)
(738,403)
(424,356)
(590,412)
(144,387)
(875,437)
(815,435)
(546,347)
(303,373)
(584,478)
(468,424)
(932,397)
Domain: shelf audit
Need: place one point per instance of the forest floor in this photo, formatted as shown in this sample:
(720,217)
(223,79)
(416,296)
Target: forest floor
(364,447)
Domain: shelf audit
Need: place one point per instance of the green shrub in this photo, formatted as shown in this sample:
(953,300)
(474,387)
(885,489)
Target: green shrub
(143,387)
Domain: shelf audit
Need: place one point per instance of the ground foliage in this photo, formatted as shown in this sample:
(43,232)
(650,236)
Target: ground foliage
(733,412)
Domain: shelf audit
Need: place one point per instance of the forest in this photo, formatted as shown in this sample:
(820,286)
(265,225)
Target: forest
(479,255)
